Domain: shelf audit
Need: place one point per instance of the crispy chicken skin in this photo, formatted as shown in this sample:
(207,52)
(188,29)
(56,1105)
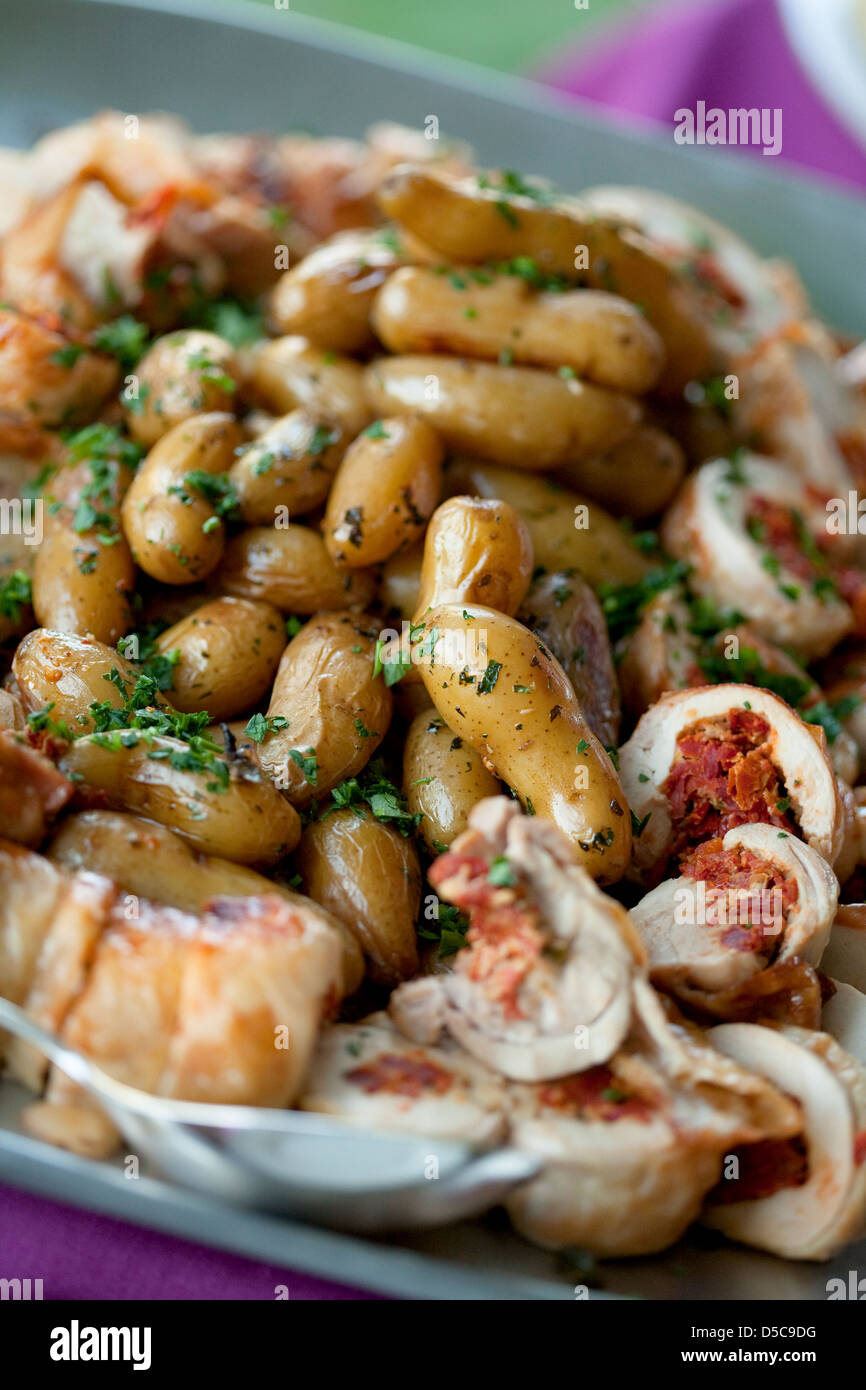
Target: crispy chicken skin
(32,791)
(222,1006)
(542,987)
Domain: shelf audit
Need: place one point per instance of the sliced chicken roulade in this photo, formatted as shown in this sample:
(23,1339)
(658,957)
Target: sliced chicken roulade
(543,986)
(802,1198)
(738,934)
(224,1007)
(632,1147)
(753,534)
(701,762)
(370,1075)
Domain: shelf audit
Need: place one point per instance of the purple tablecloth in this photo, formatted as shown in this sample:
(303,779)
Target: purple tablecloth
(728,53)
(79,1255)
(724,52)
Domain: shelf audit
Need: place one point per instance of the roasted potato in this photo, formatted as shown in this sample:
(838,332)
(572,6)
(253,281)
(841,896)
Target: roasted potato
(171,513)
(185,373)
(384,493)
(513,415)
(228,651)
(335,711)
(443,778)
(367,875)
(500,689)
(290,567)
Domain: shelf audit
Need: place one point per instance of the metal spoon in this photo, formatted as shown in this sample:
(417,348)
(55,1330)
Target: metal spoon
(306,1165)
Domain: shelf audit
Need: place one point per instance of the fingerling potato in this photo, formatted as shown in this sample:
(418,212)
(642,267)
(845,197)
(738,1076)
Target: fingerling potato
(290,567)
(368,875)
(501,690)
(173,527)
(637,477)
(327,297)
(567,530)
(476,550)
(246,819)
(482,219)
(185,373)
(291,465)
(513,415)
(228,653)
(69,672)
(284,373)
(477,314)
(385,491)
(336,711)
(83,573)
(443,778)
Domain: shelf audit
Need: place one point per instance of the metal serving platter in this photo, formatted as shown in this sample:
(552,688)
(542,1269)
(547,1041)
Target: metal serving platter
(230,67)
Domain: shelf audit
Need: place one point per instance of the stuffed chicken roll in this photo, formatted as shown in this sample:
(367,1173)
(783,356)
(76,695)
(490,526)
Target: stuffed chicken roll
(757,541)
(631,1147)
(542,987)
(739,932)
(702,762)
(802,1197)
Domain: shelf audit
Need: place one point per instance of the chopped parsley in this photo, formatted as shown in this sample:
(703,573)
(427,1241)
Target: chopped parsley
(260,725)
(375,790)
(16,592)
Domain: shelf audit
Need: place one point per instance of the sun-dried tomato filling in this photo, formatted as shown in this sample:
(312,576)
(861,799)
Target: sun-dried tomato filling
(746,894)
(764,1168)
(401,1074)
(504,940)
(723,776)
(596,1094)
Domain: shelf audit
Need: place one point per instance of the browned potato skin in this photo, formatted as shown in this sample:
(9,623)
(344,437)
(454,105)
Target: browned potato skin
(443,778)
(401,581)
(328,296)
(564,612)
(465,223)
(291,569)
(368,875)
(284,373)
(384,493)
(68,671)
(325,687)
(166,533)
(150,861)
(636,478)
(229,650)
(600,550)
(249,823)
(476,550)
(529,729)
(292,465)
(184,373)
(594,334)
(81,584)
(518,416)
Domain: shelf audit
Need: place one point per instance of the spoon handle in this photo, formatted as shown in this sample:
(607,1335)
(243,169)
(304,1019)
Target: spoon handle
(16,1021)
